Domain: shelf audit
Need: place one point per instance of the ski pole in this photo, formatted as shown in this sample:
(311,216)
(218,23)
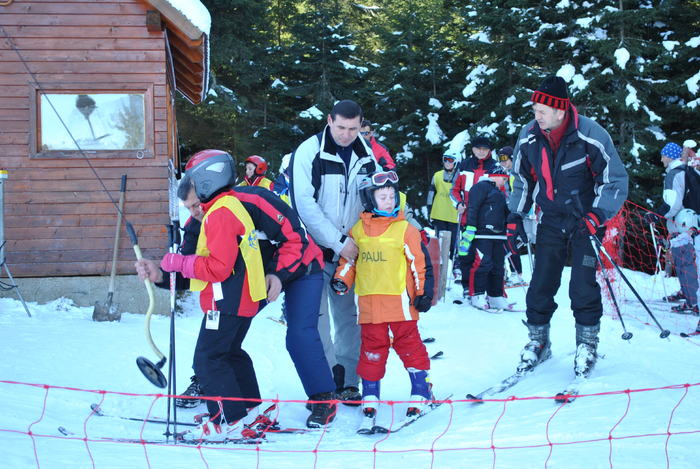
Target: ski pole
(594,239)
(626,335)
(174,243)
(530,258)
(509,255)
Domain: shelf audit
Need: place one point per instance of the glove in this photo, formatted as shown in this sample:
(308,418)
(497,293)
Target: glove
(515,229)
(179,263)
(650,218)
(339,286)
(589,224)
(424,237)
(466,241)
(422,303)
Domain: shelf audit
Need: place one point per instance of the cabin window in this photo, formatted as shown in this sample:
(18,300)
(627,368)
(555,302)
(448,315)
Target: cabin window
(109,123)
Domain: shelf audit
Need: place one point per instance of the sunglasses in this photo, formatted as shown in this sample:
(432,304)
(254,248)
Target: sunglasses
(379,179)
(448,159)
(503,157)
(366,132)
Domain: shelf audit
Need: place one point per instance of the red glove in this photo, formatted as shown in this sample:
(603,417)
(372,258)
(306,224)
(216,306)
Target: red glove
(590,224)
(179,263)
(424,237)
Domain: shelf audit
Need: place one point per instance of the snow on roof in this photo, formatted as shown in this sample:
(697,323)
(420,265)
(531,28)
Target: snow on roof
(195,12)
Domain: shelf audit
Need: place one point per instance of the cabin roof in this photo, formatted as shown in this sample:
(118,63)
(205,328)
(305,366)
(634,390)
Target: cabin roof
(187,23)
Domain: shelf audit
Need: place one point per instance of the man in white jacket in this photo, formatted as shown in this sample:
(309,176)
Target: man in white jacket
(325,171)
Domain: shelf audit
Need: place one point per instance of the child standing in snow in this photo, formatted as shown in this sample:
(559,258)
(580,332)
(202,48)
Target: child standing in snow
(486,230)
(389,277)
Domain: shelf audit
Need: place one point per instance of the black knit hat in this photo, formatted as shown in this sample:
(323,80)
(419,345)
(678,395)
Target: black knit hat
(552,92)
(481,141)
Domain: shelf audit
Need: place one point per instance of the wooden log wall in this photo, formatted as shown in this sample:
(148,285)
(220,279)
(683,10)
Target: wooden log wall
(58,219)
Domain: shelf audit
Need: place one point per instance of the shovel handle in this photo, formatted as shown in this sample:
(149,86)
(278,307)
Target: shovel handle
(115,249)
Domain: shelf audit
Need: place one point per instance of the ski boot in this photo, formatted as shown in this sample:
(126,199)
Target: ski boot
(685,308)
(497,302)
(479,301)
(586,349)
(322,413)
(192,390)
(370,397)
(537,350)
(421,391)
(515,280)
(675,297)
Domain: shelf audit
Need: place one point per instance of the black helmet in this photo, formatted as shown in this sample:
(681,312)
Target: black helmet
(212,174)
(374,181)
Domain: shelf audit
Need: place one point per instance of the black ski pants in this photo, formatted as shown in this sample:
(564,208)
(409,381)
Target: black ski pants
(225,369)
(553,246)
(486,273)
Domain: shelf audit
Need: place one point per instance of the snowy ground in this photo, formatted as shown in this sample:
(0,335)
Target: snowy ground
(61,346)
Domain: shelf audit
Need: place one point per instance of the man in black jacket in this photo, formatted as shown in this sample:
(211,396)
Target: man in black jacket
(557,153)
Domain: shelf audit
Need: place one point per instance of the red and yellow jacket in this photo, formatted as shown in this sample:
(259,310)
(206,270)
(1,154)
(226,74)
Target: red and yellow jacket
(390,270)
(260,181)
(233,277)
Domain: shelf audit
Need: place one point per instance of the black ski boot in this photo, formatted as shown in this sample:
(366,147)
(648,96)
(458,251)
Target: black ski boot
(537,350)
(342,392)
(322,413)
(192,390)
(586,349)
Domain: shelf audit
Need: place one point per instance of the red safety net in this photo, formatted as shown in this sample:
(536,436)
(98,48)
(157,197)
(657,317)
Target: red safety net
(60,423)
(644,251)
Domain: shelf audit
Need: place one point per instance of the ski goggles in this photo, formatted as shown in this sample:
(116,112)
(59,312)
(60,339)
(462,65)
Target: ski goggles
(382,177)
(504,157)
(448,159)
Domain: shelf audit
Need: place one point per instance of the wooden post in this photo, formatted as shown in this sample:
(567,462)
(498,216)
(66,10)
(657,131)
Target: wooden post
(445,239)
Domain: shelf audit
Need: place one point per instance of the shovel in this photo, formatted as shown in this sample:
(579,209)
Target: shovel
(109,311)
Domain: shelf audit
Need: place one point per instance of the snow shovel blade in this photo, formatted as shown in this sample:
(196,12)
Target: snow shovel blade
(106,312)
(152,372)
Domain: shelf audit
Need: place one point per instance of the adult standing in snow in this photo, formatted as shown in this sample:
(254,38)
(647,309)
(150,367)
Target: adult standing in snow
(293,264)
(325,171)
(381,153)
(443,214)
(681,196)
(470,171)
(558,152)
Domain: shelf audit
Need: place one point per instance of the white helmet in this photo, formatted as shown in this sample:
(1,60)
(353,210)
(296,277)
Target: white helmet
(686,219)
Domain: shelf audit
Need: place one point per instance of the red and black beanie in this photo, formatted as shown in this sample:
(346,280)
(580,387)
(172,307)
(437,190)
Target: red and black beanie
(552,92)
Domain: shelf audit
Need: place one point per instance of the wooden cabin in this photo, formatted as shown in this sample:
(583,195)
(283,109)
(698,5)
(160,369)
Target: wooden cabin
(87,88)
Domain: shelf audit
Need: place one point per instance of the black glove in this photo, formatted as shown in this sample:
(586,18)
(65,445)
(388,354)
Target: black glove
(422,303)
(339,286)
(515,228)
(650,218)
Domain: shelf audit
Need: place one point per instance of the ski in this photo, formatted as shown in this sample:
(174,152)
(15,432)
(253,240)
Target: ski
(437,355)
(368,424)
(504,384)
(569,394)
(97,410)
(410,420)
(278,320)
(178,438)
(690,334)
